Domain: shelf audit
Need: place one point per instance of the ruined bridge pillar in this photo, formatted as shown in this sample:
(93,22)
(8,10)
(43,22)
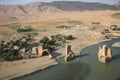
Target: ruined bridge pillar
(69,53)
(104,54)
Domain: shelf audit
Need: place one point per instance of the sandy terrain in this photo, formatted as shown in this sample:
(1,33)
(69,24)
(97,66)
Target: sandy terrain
(116,44)
(13,69)
(19,68)
(46,24)
(104,17)
(83,39)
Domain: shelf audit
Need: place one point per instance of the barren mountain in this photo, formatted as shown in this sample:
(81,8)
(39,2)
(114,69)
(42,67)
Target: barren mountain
(11,10)
(118,5)
(44,10)
(81,6)
(29,7)
(39,7)
(58,10)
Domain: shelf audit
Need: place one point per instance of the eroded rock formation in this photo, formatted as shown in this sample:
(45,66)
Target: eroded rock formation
(69,53)
(104,54)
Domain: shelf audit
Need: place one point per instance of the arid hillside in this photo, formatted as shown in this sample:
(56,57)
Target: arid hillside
(58,10)
(42,16)
(40,7)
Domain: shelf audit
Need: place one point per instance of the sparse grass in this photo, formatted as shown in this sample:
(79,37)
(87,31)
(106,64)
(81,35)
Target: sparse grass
(116,16)
(25,29)
(63,26)
(106,31)
(44,30)
(19,28)
(74,22)
(64,22)
(97,23)
(55,23)
(31,33)
(13,25)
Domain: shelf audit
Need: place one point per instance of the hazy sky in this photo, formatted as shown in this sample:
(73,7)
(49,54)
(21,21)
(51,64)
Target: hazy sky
(28,1)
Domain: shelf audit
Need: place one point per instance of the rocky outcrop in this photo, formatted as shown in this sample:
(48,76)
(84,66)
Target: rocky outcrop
(69,53)
(104,54)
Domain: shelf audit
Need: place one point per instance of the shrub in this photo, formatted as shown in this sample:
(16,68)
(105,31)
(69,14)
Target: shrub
(18,57)
(25,29)
(35,33)
(69,37)
(51,42)
(8,56)
(115,27)
(95,23)
(13,25)
(58,37)
(106,31)
(62,26)
(48,43)
(44,40)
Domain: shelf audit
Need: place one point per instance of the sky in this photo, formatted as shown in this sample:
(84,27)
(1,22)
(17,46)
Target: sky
(28,1)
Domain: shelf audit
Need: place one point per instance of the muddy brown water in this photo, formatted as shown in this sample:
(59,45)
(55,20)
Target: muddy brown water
(84,67)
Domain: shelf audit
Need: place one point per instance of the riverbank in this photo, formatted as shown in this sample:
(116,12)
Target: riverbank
(9,70)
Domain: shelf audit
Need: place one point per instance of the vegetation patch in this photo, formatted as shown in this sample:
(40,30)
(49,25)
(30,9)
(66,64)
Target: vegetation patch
(19,28)
(115,27)
(63,26)
(25,29)
(16,49)
(44,30)
(70,22)
(69,37)
(97,23)
(116,16)
(13,25)
(75,22)
(55,41)
(106,31)
(12,50)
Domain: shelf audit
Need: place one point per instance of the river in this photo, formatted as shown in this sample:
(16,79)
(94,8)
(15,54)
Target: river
(83,67)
